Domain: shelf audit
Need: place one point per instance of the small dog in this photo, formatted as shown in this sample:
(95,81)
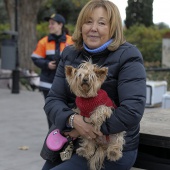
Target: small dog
(93,102)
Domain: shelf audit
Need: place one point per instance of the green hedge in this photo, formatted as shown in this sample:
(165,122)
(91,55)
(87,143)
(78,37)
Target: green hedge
(148,40)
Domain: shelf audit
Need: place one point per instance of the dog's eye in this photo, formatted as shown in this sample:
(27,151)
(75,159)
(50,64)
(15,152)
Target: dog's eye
(75,72)
(92,76)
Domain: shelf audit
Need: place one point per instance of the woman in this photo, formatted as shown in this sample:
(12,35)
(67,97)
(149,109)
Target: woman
(48,52)
(99,36)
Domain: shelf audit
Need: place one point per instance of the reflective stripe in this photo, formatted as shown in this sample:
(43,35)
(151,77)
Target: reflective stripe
(45,47)
(46,85)
(50,52)
(36,56)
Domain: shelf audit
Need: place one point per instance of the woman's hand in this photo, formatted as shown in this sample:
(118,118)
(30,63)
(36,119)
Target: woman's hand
(85,129)
(52,65)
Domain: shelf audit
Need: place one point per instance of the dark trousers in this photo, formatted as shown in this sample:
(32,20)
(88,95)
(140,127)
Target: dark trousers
(79,163)
(45,93)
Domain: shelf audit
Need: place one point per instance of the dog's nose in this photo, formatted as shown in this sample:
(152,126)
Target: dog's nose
(85,80)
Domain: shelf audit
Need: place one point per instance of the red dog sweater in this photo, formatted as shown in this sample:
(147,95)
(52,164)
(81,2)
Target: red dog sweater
(87,105)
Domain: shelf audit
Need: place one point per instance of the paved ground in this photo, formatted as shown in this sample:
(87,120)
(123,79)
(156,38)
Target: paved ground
(22,123)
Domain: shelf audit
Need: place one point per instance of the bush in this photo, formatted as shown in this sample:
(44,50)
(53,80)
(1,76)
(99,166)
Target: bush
(42,30)
(148,40)
(3,27)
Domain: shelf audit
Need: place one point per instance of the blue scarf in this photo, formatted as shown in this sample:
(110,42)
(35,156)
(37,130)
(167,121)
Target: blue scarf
(99,49)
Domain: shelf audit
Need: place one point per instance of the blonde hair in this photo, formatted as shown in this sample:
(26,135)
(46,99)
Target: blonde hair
(116,28)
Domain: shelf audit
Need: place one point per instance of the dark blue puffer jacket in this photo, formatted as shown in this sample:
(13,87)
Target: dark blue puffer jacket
(125,85)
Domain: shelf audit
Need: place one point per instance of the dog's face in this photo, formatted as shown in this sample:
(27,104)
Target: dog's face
(85,80)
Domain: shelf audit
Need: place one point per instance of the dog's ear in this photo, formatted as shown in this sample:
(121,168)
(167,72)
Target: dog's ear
(101,73)
(69,71)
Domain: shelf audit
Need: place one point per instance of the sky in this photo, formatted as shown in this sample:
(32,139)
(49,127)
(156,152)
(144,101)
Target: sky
(161,10)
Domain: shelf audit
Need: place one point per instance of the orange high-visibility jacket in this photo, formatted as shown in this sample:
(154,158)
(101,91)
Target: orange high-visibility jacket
(49,49)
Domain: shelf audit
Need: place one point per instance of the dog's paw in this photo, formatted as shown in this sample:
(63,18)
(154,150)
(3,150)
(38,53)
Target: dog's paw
(107,111)
(100,114)
(85,153)
(82,152)
(115,147)
(87,148)
(114,155)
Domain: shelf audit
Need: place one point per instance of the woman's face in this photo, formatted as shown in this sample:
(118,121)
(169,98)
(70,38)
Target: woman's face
(95,31)
(55,27)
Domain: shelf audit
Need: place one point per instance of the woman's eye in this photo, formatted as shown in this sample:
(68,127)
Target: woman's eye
(101,23)
(89,21)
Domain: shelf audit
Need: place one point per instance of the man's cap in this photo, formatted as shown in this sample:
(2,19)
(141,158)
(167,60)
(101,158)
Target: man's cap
(56,17)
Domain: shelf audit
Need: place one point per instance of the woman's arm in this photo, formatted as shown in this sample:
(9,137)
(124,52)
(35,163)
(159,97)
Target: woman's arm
(131,93)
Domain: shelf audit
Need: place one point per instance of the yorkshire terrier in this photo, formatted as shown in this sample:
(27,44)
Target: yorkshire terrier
(93,102)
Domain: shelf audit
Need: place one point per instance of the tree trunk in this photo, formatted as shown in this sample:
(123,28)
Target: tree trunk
(27,11)
(27,31)
(10,7)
